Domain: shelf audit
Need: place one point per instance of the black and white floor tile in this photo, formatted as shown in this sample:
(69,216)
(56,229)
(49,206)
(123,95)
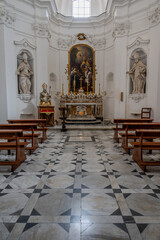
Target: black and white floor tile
(80,185)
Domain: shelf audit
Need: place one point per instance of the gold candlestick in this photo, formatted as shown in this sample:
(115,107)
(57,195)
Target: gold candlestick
(99,90)
(81,79)
(62,89)
(87,88)
(74,84)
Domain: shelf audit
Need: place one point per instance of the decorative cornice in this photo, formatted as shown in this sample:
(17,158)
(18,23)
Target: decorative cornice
(121,29)
(6,17)
(154,17)
(41,30)
(24,43)
(139,42)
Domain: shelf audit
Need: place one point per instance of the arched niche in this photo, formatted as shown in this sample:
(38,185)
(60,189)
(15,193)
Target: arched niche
(53,82)
(138,72)
(30,62)
(110,83)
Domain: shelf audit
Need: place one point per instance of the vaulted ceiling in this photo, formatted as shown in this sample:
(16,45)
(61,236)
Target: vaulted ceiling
(65,7)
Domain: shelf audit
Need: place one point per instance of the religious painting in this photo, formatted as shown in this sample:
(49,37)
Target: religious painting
(81,69)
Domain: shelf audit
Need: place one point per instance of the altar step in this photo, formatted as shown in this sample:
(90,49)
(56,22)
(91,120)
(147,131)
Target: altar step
(83,121)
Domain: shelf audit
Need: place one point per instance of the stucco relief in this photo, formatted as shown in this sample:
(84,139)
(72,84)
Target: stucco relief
(121,29)
(66,43)
(63,43)
(6,17)
(154,17)
(98,43)
(42,30)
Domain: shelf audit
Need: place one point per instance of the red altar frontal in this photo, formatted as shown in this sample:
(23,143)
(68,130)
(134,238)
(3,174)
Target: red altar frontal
(46,112)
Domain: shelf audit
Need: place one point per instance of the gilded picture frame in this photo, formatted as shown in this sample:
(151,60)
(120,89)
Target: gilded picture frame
(81,69)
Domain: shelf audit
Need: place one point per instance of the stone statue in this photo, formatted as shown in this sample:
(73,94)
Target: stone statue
(45,98)
(24,72)
(138,75)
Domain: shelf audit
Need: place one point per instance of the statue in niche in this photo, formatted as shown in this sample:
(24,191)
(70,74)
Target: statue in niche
(45,97)
(24,72)
(138,75)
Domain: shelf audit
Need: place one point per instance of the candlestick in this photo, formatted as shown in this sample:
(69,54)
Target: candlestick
(99,90)
(87,88)
(62,89)
(74,85)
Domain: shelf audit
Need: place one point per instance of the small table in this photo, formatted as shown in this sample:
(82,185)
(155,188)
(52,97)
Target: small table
(46,112)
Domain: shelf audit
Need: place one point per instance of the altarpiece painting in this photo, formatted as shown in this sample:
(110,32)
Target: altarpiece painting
(81,69)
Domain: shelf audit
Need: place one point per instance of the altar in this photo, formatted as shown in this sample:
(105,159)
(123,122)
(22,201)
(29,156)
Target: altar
(82,107)
(82,104)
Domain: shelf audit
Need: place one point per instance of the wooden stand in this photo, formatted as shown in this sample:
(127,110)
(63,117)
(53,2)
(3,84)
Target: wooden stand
(63,109)
(46,112)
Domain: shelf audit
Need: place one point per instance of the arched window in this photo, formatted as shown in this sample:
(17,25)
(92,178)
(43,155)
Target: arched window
(81,8)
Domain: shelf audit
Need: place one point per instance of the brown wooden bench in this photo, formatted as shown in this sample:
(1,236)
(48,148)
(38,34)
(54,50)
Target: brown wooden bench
(120,121)
(11,141)
(130,129)
(29,127)
(41,126)
(142,144)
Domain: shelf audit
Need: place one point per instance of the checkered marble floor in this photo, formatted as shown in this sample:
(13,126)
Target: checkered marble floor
(80,185)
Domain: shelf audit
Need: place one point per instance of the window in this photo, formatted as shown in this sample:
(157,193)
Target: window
(81,8)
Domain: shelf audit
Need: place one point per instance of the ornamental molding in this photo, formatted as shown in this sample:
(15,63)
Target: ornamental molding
(154,17)
(98,43)
(6,17)
(66,43)
(139,42)
(137,97)
(24,43)
(42,30)
(63,43)
(121,29)
(26,98)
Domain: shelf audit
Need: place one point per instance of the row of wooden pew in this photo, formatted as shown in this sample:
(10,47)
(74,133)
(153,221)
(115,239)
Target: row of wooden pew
(18,136)
(139,135)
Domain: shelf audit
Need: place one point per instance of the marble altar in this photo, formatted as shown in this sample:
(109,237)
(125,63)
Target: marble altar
(82,107)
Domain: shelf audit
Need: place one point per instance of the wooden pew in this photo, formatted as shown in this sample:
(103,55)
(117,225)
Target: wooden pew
(29,127)
(11,141)
(41,126)
(130,129)
(120,121)
(142,144)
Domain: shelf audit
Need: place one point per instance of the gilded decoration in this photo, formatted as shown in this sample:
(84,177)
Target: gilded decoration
(81,69)
(81,36)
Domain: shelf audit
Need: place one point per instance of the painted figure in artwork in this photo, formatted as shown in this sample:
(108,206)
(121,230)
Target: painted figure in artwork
(138,75)
(24,72)
(45,97)
(81,68)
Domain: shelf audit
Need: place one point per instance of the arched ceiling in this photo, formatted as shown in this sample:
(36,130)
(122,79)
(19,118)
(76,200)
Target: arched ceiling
(65,7)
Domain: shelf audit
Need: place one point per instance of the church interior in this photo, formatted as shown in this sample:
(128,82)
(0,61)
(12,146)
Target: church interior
(79,119)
